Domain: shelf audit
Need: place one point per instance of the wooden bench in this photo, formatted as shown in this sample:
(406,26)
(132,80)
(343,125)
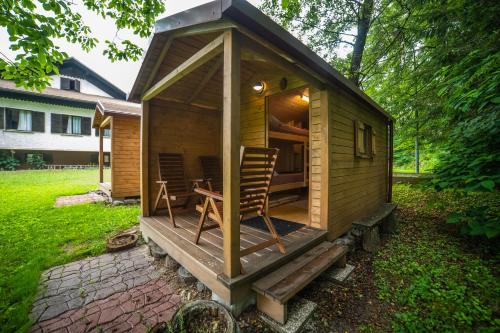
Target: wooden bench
(369,226)
(275,289)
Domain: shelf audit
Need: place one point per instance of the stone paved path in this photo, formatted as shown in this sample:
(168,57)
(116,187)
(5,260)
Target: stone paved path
(79,199)
(120,292)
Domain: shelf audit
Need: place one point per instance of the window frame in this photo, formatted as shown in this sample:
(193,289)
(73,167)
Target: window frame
(63,119)
(33,113)
(364,140)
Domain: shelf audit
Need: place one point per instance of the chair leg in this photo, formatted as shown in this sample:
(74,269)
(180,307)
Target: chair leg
(169,208)
(275,234)
(158,198)
(202,221)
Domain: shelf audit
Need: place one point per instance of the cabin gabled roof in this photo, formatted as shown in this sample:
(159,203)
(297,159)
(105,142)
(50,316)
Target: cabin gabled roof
(244,14)
(106,107)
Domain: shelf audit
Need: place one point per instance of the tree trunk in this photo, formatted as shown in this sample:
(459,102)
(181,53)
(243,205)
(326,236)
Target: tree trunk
(365,15)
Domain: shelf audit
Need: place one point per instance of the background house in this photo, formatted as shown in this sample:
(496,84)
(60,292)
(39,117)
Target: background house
(56,123)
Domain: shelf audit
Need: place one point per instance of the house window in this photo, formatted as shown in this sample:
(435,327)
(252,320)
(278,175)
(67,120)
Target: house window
(106,134)
(70,84)
(71,125)
(23,120)
(364,140)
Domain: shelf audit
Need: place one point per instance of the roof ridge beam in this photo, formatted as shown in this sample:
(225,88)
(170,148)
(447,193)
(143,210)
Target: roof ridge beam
(205,54)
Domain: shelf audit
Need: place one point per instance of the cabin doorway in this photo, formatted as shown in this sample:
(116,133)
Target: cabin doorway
(288,130)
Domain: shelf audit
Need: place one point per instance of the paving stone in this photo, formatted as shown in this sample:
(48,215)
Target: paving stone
(120,312)
(79,199)
(82,282)
(299,313)
(340,274)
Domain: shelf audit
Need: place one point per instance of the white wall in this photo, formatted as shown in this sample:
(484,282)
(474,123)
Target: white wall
(85,86)
(47,140)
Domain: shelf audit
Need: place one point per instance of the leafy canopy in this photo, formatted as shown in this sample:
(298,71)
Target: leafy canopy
(34,26)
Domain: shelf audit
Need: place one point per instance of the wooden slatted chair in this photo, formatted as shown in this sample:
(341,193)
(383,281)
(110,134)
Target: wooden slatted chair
(256,172)
(212,172)
(173,183)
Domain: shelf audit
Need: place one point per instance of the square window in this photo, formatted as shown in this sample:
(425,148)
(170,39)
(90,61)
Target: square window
(364,140)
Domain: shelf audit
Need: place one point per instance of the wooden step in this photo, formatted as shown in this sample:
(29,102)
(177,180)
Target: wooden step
(275,289)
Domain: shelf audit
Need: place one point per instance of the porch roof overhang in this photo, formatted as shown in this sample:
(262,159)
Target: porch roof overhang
(108,108)
(214,14)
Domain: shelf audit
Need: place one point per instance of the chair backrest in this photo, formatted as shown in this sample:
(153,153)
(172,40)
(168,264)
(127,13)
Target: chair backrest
(256,173)
(171,169)
(212,169)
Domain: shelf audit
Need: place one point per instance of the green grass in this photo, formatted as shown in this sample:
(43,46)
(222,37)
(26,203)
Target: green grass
(35,236)
(439,280)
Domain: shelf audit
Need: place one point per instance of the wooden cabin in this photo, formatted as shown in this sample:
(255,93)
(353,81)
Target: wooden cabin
(221,76)
(121,121)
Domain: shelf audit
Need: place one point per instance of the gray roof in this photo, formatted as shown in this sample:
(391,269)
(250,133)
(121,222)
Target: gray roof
(243,13)
(50,95)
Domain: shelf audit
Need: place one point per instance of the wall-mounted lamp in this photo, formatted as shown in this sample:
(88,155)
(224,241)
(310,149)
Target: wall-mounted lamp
(259,87)
(305,98)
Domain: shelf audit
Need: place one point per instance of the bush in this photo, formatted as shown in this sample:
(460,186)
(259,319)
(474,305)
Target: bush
(477,221)
(472,159)
(35,161)
(8,162)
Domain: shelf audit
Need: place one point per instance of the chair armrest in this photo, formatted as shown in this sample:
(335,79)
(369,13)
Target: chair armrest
(210,194)
(161,181)
(198,180)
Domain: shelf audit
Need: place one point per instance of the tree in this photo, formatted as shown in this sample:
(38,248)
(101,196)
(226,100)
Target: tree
(325,25)
(33,26)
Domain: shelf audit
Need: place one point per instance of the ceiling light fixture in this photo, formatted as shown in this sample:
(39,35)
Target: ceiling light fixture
(259,87)
(305,98)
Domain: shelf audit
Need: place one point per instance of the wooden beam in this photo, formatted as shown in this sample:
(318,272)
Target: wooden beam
(231,153)
(101,155)
(252,49)
(198,105)
(205,80)
(111,157)
(196,60)
(158,63)
(105,123)
(144,157)
(326,142)
(203,28)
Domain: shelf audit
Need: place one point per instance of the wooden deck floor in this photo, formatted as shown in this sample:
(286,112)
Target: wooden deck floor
(205,260)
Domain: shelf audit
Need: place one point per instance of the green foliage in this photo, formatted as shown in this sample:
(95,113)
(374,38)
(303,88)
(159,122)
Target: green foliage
(34,235)
(34,26)
(436,284)
(8,161)
(35,161)
(471,159)
(477,221)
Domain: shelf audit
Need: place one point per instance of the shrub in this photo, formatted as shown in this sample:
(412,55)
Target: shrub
(8,162)
(35,161)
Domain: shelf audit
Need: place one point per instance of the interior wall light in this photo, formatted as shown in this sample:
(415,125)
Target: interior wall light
(305,98)
(259,87)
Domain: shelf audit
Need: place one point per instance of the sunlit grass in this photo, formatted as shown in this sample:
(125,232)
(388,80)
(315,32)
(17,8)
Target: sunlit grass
(34,235)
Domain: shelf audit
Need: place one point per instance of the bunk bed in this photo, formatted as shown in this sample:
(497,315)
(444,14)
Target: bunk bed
(283,181)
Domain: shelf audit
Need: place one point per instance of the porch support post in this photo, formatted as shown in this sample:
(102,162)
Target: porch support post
(101,155)
(231,153)
(144,156)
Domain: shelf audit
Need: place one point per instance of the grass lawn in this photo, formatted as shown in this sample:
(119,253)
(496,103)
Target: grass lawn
(35,236)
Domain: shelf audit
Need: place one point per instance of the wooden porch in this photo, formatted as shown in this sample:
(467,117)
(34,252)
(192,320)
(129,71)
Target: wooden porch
(206,260)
